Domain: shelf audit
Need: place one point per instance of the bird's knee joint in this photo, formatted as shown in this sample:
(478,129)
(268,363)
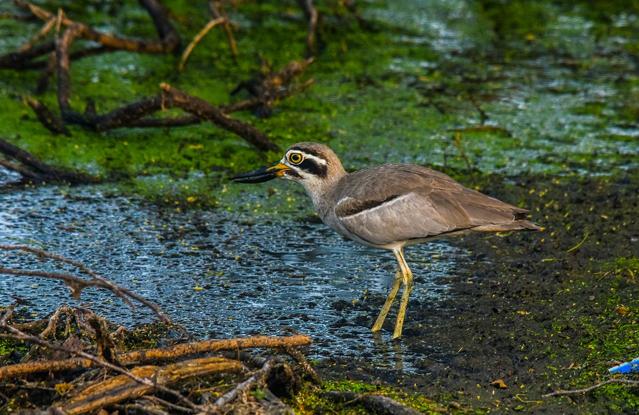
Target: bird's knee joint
(408,280)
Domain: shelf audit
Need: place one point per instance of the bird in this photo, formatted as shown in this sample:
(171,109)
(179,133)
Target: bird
(390,207)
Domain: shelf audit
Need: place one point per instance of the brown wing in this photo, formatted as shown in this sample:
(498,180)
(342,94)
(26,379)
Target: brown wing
(395,203)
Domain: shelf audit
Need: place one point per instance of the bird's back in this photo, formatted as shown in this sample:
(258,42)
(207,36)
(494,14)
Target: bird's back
(403,203)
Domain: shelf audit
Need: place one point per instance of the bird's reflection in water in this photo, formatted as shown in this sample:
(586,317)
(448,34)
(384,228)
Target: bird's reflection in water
(393,349)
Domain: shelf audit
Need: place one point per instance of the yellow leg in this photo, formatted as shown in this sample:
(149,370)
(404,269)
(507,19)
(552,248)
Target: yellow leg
(389,302)
(408,287)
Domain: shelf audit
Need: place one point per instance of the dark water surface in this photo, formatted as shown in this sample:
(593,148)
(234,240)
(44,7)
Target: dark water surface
(219,274)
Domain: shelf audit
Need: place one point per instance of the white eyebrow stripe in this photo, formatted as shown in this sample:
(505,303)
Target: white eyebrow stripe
(307,156)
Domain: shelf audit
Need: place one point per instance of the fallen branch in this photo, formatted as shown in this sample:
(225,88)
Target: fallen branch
(169,39)
(372,403)
(75,283)
(269,89)
(244,387)
(36,171)
(17,334)
(51,121)
(122,387)
(304,364)
(560,392)
(159,354)
(204,110)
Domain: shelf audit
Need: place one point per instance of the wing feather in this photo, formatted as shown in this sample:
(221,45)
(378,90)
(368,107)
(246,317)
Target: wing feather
(395,203)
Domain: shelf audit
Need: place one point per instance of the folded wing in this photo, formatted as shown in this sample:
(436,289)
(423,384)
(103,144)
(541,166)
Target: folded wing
(395,203)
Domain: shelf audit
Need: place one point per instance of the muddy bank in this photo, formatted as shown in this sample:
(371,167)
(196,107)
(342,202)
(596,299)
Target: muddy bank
(539,311)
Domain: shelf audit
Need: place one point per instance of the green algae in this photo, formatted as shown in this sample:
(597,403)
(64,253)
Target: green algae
(312,399)
(395,93)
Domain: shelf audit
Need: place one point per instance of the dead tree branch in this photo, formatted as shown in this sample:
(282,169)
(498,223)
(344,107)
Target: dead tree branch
(245,386)
(304,364)
(271,88)
(217,10)
(14,333)
(169,39)
(159,354)
(51,121)
(123,387)
(36,171)
(75,283)
(206,111)
(311,14)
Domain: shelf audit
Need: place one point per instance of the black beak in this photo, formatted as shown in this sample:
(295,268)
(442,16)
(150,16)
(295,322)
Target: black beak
(261,175)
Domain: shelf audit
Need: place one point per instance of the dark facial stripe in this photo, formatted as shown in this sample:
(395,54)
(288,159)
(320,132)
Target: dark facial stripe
(312,167)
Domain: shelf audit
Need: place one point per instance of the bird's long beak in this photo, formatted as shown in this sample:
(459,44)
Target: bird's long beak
(262,175)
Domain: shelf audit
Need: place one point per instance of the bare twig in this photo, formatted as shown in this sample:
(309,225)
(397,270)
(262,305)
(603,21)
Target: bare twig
(17,334)
(217,10)
(204,110)
(560,392)
(77,284)
(46,28)
(197,39)
(303,362)
(244,387)
(312,16)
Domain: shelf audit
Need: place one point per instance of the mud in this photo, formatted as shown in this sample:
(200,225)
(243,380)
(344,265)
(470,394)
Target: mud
(527,311)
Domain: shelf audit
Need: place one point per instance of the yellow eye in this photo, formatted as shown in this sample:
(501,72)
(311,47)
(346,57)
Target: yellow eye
(295,158)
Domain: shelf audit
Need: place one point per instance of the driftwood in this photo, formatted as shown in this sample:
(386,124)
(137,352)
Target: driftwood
(120,388)
(273,380)
(150,355)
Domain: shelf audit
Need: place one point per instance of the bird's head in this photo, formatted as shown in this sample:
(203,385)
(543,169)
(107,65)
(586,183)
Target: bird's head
(313,165)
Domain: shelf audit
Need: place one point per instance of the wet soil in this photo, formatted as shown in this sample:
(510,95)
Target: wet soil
(529,308)
(541,311)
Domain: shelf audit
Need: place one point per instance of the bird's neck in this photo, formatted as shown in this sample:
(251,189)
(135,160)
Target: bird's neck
(319,190)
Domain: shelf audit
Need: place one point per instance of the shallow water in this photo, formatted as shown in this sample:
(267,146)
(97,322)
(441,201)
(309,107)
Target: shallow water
(219,274)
